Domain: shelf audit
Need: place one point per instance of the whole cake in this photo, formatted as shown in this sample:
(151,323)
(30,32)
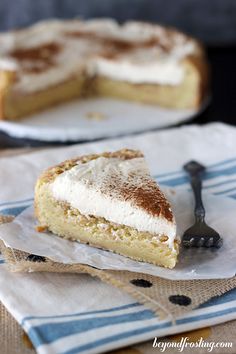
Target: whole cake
(56,61)
(109,201)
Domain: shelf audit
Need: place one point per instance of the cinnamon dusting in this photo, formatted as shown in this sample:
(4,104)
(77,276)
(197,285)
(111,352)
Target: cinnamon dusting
(146,195)
(36,59)
(139,189)
(118,45)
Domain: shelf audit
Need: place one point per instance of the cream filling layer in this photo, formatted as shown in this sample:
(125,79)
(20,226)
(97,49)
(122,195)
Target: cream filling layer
(91,189)
(165,72)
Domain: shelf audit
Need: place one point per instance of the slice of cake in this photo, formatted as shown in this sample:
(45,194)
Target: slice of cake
(56,61)
(109,201)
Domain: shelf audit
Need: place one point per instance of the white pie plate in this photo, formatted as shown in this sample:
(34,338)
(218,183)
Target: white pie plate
(71,122)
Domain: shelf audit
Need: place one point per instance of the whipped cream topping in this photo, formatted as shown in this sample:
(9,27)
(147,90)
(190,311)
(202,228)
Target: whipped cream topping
(121,191)
(134,52)
(161,72)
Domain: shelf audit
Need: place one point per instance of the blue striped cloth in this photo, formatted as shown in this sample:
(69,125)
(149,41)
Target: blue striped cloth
(66,326)
(219,179)
(78,314)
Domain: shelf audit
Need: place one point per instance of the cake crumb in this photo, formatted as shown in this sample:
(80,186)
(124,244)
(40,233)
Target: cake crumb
(41,228)
(97,116)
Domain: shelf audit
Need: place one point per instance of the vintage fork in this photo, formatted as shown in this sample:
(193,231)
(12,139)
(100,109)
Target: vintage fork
(200,234)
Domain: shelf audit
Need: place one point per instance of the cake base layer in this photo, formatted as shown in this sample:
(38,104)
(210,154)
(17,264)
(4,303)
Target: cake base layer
(15,105)
(67,222)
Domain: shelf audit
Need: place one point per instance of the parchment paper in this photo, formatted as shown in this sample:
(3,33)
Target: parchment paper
(192,264)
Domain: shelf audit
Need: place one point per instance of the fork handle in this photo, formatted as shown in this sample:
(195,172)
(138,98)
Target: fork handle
(195,170)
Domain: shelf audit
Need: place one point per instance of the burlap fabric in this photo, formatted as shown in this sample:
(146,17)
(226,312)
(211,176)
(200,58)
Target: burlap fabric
(13,340)
(164,297)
